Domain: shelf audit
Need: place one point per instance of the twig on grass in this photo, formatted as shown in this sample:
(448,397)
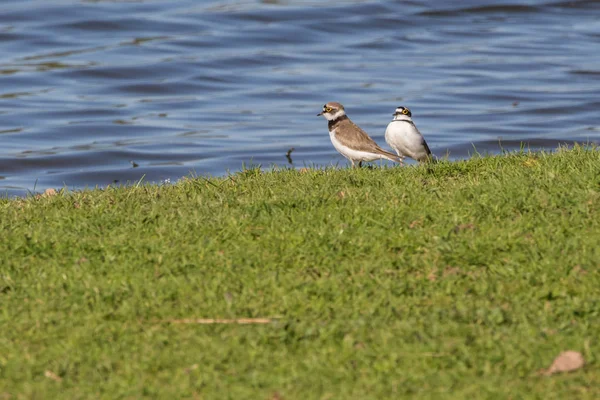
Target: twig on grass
(52,375)
(288,155)
(211,321)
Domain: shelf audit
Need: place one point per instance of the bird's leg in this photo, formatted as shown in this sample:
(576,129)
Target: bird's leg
(360,164)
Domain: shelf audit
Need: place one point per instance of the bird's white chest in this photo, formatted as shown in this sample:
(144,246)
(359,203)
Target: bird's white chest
(344,150)
(401,130)
(403,135)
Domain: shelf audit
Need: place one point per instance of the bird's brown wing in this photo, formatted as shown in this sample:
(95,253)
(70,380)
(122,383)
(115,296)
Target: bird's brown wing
(350,135)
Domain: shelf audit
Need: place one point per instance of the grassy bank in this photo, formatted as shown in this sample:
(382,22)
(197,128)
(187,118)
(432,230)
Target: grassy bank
(457,280)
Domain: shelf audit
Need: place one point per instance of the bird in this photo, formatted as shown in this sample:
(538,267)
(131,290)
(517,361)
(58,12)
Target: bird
(403,136)
(351,141)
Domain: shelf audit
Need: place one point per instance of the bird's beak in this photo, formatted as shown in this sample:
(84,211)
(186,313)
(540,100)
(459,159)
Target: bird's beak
(319,114)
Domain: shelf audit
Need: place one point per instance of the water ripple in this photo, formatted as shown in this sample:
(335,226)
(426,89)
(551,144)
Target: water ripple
(96,92)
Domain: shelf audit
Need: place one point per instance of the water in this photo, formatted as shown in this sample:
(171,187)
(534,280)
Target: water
(95,92)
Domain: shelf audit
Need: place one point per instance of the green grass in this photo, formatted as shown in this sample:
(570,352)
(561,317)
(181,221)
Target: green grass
(457,280)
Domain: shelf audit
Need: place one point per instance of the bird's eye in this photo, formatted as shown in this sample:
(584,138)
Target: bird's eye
(405,111)
(328,109)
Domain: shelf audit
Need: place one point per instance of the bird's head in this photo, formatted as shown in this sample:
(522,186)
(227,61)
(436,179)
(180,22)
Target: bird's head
(332,110)
(402,113)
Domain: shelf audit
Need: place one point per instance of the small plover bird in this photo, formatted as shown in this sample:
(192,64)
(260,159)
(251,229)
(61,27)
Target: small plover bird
(404,137)
(351,141)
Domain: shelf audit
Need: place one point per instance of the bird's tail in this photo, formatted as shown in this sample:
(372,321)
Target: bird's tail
(389,156)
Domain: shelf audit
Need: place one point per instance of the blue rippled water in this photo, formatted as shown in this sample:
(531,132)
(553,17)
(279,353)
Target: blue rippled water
(96,92)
